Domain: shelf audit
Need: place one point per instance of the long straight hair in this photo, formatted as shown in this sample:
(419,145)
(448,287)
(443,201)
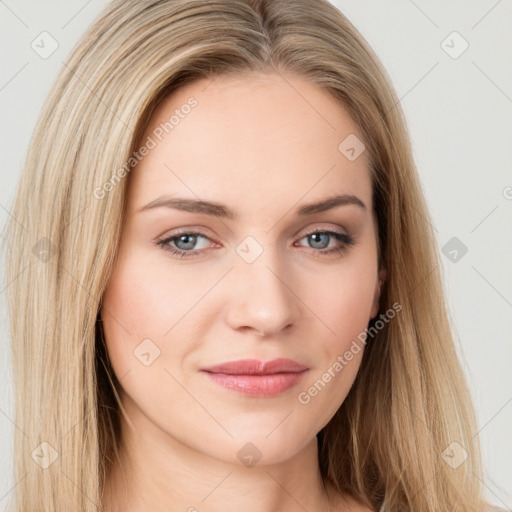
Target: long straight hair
(387,443)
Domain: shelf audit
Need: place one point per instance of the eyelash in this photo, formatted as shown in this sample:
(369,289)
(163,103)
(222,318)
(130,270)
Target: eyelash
(347,240)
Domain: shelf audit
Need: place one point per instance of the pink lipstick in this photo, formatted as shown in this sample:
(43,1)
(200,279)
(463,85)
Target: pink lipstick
(257,378)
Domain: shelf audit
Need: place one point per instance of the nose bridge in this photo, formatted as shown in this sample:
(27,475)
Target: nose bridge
(262,295)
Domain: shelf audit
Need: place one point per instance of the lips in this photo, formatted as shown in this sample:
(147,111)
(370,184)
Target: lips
(257,378)
(256,367)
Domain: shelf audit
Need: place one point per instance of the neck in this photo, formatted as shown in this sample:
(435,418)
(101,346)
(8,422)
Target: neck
(155,470)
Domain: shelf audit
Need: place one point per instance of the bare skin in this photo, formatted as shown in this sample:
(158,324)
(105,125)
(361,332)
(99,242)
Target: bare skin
(263,146)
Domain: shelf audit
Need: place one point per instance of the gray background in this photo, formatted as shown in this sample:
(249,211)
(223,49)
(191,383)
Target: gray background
(459,111)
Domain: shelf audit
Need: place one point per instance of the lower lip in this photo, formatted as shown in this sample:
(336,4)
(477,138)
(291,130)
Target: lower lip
(258,385)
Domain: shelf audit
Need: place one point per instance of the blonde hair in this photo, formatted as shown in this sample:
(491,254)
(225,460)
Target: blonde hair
(409,401)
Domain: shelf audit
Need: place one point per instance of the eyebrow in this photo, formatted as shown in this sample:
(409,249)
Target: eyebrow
(222,211)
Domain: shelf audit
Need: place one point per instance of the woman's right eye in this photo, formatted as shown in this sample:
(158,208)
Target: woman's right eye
(181,244)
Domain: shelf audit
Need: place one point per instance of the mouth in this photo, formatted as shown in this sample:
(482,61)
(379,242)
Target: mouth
(257,378)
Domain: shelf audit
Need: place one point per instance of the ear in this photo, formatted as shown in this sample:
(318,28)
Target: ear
(376,297)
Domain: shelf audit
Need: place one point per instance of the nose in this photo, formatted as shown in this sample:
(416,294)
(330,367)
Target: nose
(261,296)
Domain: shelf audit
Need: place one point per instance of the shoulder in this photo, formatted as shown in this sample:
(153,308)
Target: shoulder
(347,503)
(352,505)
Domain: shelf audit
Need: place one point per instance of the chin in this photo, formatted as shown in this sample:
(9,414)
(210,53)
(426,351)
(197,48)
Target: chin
(257,447)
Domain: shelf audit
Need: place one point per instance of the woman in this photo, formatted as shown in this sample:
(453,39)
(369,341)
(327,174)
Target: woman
(232,298)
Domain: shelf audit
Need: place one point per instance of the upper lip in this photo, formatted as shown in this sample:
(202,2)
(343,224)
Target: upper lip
(257,367)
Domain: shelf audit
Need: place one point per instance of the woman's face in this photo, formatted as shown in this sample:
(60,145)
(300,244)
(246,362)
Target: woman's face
(233,270)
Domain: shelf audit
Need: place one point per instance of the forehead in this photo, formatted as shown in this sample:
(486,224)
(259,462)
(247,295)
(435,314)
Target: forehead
(250,140)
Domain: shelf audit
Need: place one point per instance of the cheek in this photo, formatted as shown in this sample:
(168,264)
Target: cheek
(145,301)
(130,312)
(344,299)
(344,308)
(146,298)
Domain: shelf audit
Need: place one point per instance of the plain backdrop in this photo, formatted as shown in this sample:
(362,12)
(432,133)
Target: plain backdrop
(451,64)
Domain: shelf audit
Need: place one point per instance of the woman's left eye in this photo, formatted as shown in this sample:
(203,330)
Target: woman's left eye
(321,240)
(183,244)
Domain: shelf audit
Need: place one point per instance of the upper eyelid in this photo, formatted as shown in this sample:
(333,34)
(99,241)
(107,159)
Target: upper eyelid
(201,230)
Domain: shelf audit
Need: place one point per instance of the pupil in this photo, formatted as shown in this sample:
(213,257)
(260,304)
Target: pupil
(191,242)
(316,239)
